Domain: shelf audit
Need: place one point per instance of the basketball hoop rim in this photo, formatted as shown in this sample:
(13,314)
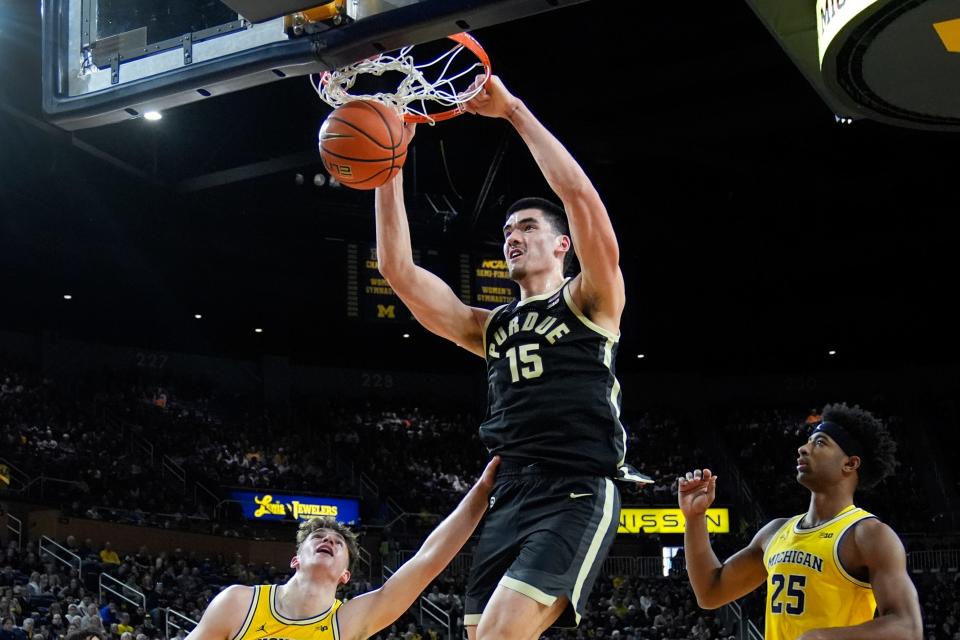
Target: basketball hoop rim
(468,42)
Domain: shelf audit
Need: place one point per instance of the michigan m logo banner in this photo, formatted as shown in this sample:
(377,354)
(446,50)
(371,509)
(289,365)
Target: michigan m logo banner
(386,311)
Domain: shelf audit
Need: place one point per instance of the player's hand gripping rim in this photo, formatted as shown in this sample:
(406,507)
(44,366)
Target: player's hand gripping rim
(493,101)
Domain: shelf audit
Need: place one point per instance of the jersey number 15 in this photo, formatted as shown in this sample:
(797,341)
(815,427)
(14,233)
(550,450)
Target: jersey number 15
(525,361)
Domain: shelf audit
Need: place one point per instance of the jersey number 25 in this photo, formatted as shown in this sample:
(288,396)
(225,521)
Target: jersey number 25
(792,600)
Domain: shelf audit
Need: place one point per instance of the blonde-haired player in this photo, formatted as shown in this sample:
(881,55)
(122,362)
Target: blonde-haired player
(307,608)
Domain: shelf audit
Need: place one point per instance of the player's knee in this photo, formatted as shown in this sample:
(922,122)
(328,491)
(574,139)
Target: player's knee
(499,628)
(518,622)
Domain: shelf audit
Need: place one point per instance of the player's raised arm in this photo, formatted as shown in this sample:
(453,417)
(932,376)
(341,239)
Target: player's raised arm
(224,617)
(716,583)
(365,615)
(601,285)
(432,302)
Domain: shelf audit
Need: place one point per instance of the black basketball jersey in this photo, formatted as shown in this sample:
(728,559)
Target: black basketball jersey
(553,396)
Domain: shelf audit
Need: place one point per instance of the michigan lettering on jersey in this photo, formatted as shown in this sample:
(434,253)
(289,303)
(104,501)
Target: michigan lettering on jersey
(531,323)
(793,556)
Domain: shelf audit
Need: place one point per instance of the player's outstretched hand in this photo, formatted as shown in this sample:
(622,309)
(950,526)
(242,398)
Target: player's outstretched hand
(696,492)
(493,101)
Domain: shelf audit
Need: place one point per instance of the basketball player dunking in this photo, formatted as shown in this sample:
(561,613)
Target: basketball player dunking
(307,608)
(827,570)
(554,401)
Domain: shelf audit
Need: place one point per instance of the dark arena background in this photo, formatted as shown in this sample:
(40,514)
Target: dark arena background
(196,347)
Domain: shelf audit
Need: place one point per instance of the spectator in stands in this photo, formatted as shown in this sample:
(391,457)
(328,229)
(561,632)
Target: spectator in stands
(142,558)
(33,586)
(72,591)
(18,600)
(73,615)
(108,555)
(90,612)
(10,607)
(87,550)
(94,624)
(148,627)
(57,626)
(9,632)
(124,627)
(72,545)
(45,586)
(50,581)
(108,613)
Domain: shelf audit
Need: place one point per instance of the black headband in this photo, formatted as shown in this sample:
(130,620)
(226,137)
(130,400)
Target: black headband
(850,445)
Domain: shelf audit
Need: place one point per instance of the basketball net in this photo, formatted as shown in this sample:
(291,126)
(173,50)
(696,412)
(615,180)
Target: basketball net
(429,92)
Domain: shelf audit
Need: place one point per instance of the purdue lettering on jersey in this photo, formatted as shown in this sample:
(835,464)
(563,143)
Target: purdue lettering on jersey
(264,622)
(807,587)
(552,393)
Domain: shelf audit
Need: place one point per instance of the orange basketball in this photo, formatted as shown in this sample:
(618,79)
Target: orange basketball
(362,144)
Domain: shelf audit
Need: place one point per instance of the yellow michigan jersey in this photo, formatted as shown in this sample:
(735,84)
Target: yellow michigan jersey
(807,587)
(264,622)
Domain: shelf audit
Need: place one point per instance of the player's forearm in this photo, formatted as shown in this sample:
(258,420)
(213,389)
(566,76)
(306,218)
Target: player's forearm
(561,170)
(365,615)
(449,537)
(394,250)
(886,627)
(703,566)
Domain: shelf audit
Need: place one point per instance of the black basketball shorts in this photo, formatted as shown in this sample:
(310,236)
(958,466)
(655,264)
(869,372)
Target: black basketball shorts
(545,535)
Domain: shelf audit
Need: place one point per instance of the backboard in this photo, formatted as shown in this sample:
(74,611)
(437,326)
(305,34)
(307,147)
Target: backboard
(109,60)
